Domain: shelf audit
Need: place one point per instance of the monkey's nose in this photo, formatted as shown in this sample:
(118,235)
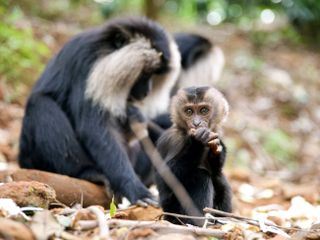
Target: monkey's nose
(196,122)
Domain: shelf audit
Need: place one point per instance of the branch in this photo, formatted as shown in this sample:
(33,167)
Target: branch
(183,216)
(103,229)
(225,214)
(166,227)
(245,219)
(160,226)
(69,190)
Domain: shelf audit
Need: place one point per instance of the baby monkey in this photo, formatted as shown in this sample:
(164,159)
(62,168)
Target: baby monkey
(194,152)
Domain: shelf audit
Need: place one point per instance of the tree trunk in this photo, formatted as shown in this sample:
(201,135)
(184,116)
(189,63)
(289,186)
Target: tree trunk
(152,7)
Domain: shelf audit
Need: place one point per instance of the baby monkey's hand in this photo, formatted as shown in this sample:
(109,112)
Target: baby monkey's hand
(207,137)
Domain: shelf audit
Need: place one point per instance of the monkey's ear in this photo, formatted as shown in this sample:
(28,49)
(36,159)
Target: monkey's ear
(225,110)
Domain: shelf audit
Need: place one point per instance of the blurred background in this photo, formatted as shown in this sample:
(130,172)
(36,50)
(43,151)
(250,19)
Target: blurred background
(271,77)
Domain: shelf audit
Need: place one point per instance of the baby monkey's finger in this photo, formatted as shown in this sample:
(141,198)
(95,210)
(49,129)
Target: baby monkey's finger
(192,131)
(219,149)
(202,133)
(215,146)
(213,136)
(214,142)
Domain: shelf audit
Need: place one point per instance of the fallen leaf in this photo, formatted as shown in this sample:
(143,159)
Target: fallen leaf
(141,213)
(44,225)
(10,229)
(140,233)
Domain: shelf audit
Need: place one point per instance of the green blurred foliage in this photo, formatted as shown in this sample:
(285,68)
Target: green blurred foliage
(238,154)
(21,54)
(281,147)
(304,15)
(112,8)
(79,12)
(286,35)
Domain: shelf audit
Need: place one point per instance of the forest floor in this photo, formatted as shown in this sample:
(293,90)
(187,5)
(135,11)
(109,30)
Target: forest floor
(272,134)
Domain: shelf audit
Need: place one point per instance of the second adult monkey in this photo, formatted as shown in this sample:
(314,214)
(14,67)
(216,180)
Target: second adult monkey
(194,152)
(202,63)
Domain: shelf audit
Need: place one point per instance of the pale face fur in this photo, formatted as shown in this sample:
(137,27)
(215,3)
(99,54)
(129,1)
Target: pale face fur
(193,108)
(113,76)
(158,99)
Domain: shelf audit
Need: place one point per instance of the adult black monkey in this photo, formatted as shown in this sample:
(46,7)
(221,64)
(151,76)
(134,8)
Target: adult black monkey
(76,119)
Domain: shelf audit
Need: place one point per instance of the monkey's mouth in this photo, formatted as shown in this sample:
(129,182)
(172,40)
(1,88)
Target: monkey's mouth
(191,126)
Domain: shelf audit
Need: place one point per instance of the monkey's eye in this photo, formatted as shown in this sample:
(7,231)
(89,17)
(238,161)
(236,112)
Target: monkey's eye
(188,111)
(119,41)
(204,111)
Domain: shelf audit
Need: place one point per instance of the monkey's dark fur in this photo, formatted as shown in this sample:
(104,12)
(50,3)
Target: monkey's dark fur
(189,157)
(192,47)
(76,118)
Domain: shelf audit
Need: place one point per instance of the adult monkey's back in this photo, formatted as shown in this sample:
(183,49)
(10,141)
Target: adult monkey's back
(76,119)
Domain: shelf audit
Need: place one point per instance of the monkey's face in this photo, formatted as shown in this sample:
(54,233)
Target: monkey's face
(196,115)
(198,107)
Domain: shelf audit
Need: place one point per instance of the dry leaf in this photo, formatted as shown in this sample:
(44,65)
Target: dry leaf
(45,225)
(10,229)
(140,233)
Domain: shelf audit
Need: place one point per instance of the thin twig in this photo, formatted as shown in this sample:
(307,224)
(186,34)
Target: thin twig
(90,224)
(167,227)
(231,215)
(67,236)
(103,227)
(248,220)
(163,226)
(87,224)
(178,216)
(225,214)
(183,216)
(68,211)
(154,126)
